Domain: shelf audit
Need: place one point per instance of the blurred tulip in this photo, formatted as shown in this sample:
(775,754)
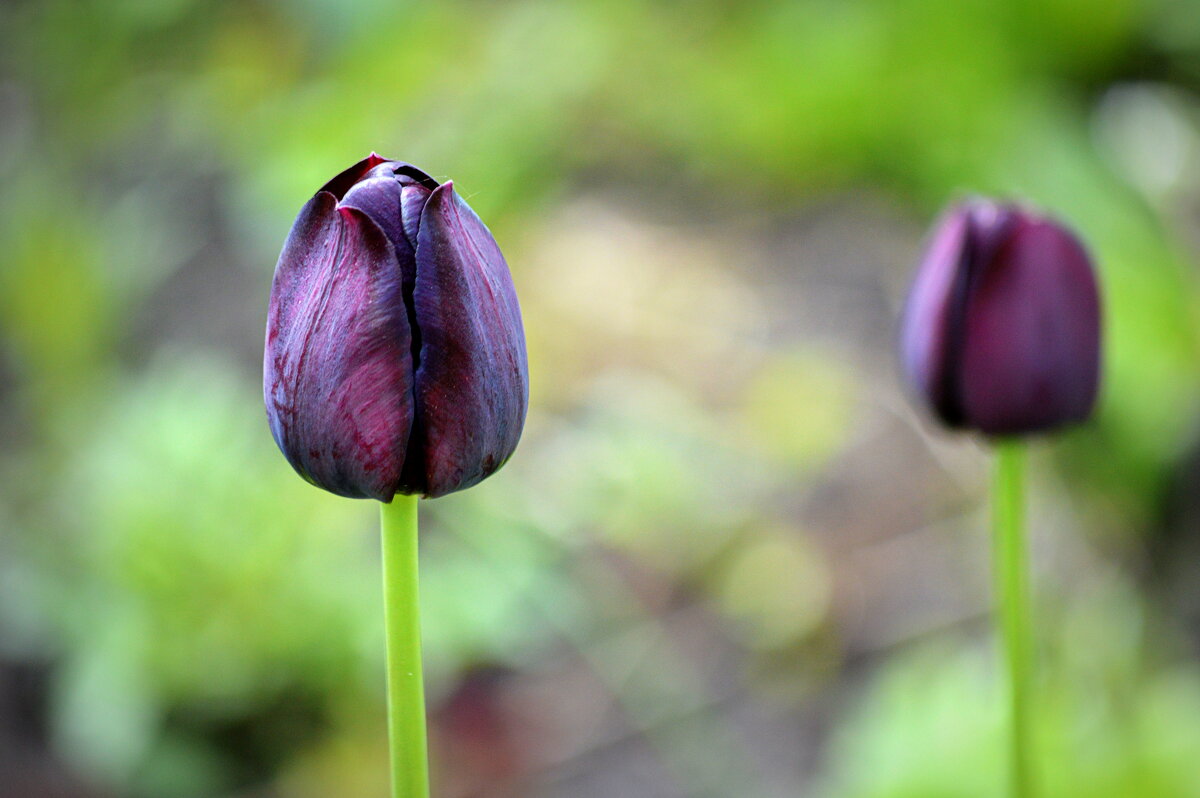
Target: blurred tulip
(395,356)
(1001,333)
(478,731)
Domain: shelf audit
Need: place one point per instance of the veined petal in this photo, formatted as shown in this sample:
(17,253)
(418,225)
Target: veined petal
(472,384)
(337,371)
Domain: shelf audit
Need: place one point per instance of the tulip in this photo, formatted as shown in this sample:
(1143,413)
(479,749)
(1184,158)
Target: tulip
(395,356)
(394,366)
(1001,333)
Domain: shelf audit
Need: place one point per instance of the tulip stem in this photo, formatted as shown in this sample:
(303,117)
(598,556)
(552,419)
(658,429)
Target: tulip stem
(1013,606)
(405,688)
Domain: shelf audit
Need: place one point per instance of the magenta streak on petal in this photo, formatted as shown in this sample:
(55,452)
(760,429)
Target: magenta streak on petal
(337,370)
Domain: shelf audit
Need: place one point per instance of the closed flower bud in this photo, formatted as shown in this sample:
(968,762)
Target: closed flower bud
(395,357)
(1001,333)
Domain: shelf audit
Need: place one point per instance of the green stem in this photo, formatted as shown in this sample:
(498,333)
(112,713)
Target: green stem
(1013,605)
(405,689)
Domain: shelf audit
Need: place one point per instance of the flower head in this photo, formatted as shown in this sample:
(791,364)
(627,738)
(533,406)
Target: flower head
(1001,333)
(395,356)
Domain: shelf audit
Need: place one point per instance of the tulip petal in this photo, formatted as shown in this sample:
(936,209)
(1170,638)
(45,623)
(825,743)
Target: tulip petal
(340,184)
(338,366)
(933,314)
(472,384)
(377,195)
(1031,349)
(394,202)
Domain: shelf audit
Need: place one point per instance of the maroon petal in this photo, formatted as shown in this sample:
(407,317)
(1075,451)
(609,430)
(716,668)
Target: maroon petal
(472,383)
(394,202)
(337,366)
(1031,343)
(340,184)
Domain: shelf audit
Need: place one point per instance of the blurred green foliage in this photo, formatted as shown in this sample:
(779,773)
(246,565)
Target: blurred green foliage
(1111,721)
(211,622)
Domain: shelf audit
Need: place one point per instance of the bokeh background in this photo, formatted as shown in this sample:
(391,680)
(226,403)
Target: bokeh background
(728,559)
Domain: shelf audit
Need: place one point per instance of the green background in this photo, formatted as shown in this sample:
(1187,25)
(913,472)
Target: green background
(729,558)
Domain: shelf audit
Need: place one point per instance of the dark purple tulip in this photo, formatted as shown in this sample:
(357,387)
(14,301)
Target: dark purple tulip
(395,357)
(1002,329)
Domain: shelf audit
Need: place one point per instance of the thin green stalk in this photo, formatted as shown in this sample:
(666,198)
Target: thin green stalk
(405,687)
(1013,606)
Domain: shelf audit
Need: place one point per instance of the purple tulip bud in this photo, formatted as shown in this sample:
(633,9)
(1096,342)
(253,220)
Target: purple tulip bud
(1002,329)
(395,357)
